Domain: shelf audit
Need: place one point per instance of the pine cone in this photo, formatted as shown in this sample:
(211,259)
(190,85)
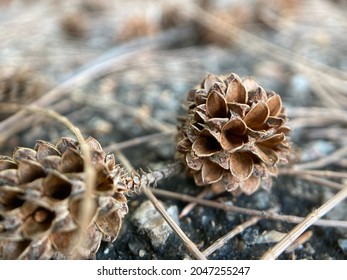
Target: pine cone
(41,191)
(234,134)
(20,86)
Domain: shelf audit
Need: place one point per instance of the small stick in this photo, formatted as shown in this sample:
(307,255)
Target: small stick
(321,181)
(144,181)
(322,173)
(320,89)
(136,181)
(220,242)
(137,141)
(314,122)
(189,207)
(187,242)
(324,161)
(334,134)
(281,246)
(251,212)
(301,240)
(125,162)
(302,112)
(129,110)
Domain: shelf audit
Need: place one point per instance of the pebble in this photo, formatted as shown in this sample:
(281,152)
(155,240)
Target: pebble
(148,219)
(271,236)
(262,200)
(107,250)
(250,235)
(308,249)
(343,245)
(142,253)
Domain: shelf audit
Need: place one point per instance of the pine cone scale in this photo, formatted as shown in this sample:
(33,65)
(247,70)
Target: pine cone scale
(257,115)
(211,172)
(9,177)
(216,106)
(29,170)
(275,105)
(241,165)
(236,92)
(232,134)
(205,146)
(7,163)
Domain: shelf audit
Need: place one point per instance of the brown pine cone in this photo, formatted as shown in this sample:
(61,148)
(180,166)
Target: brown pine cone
(41,191)
(234,134)
(20,86)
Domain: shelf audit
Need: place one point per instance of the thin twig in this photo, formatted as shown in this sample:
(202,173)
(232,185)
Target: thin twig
(158,206)
(318,180)
(327,97)
(269,215)
(87,206)
(322,181)
(189,207)
(301,240)
(138,140)
(315,121)
(129,110)
(124,161)
(332,133)
(322,113)
(281,246)
(187,242)
(323,161)
(220,242)
(321,173)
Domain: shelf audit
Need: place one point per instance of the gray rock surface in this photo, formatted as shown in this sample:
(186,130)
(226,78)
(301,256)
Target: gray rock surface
(148,219)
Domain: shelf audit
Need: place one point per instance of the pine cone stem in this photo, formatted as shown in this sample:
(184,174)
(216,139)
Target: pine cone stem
(137,182)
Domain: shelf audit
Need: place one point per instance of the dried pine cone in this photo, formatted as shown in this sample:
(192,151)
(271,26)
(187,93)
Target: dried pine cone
(136,26)
(233,135)
(41,191)
(75,24)
(20,86)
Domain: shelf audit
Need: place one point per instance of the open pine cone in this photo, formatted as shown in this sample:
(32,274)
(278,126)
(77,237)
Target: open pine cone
(20,86)
(234,134)
(41,191)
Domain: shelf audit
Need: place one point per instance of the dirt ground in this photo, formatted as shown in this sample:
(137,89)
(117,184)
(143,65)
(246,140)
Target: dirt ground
(119,70)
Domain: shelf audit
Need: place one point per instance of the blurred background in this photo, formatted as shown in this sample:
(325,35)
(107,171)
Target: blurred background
(120,70)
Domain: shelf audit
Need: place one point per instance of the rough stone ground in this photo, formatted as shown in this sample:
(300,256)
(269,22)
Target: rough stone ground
(53,46)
